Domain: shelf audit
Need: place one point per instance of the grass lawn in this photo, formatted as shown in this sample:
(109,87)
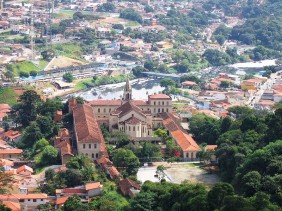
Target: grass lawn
(132,24)
(65,14)
(72,50)
(25,66)
(8,95)
(82,84)
(42,63)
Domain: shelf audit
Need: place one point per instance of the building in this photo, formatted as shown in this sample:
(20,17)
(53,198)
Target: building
(11,136)
(185,141)
(13,153)
(137,118)
(26,201)
(93,189)
(129,187)
(89,137)
(24,170)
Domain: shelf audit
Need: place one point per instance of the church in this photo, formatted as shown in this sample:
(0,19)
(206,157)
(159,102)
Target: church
(137,118)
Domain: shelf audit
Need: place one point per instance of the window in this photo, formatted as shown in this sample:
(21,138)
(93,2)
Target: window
(154,110)
(167,110)
(110,109)
(187,155)
(129,128)
(34,200)
(28,199)
(133,128)
(132,115)
(21,200)
(154,103)
(97,155)
(104,110)
(86,154)
(148,132)
(163,110)
(95,146)
(92,155)
(98,110)
(83,146)
(159,110)
(163,102)
(167,103)
(159,103)
(41,199)
(89,146)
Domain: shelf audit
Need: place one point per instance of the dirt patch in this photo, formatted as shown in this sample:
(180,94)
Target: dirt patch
(62,61)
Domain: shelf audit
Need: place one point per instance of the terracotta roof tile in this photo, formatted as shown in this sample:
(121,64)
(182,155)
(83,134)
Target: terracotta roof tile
(126,184)
(24,167)
(159,96)
(93,185)
(133,120)
(61,200)
(211,147)
(105,102)
(12,205)
(113,171)
(11,151)
(86,126)
(127,107)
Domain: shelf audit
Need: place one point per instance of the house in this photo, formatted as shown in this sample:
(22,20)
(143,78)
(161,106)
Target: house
(188,84)
(28,201)
(185,141)
(93,189)
(113,172)
(129,187)
(14,206)
(60,201)
(6,164)
(4,110)
(25,170)
(11,136)
(11,153)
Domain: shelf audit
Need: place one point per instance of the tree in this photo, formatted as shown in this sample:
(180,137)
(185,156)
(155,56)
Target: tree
(46,125)
(68,77)
(48,54)
(73,204)
(26,109)
(88,172)
(79,162)
(166,82)
(24,74)
(218,193)
(4,208)
(31,134)
(131,14)
(106,7)
(143,201)
(148,9)
(48,156)
(124,158)
(50,174)
(33,73)
(6,181)
(236,203)
(225,84)
(40,145)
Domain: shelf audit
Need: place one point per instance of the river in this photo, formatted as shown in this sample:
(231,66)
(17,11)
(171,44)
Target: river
(141,88)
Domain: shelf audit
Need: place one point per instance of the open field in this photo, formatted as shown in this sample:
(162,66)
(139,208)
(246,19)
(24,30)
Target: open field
(178,173)
(8,95)
(25,66)
(63,61)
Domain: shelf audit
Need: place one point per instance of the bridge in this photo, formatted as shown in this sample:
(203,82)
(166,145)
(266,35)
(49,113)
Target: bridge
(162,75)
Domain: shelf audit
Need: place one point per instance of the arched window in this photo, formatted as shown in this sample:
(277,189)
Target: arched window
(133,128)
(98,110)
(163,102)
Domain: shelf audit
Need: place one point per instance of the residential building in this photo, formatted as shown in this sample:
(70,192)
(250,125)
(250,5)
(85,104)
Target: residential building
(129,187)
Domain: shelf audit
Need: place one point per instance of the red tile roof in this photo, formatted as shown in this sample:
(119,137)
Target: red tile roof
(86,126)
(126,184)
(182,138)
(133,120)
(189,83)
(12,134)
(24,167)
(159,96)
(93,185)
(12,205)
(73,190)
(61,200)
(211,147)
(113,171)
(127,107)
(11,151)
(105,102)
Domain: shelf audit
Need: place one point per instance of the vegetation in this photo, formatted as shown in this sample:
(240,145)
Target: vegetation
(7,95)
(131,14)
(106,7)
(68,77)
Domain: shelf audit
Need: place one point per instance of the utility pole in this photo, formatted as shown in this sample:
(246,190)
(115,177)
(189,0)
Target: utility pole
(50,10)
(31,34)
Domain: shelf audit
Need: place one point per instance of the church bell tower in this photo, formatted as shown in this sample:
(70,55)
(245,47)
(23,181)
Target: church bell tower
(127,93)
